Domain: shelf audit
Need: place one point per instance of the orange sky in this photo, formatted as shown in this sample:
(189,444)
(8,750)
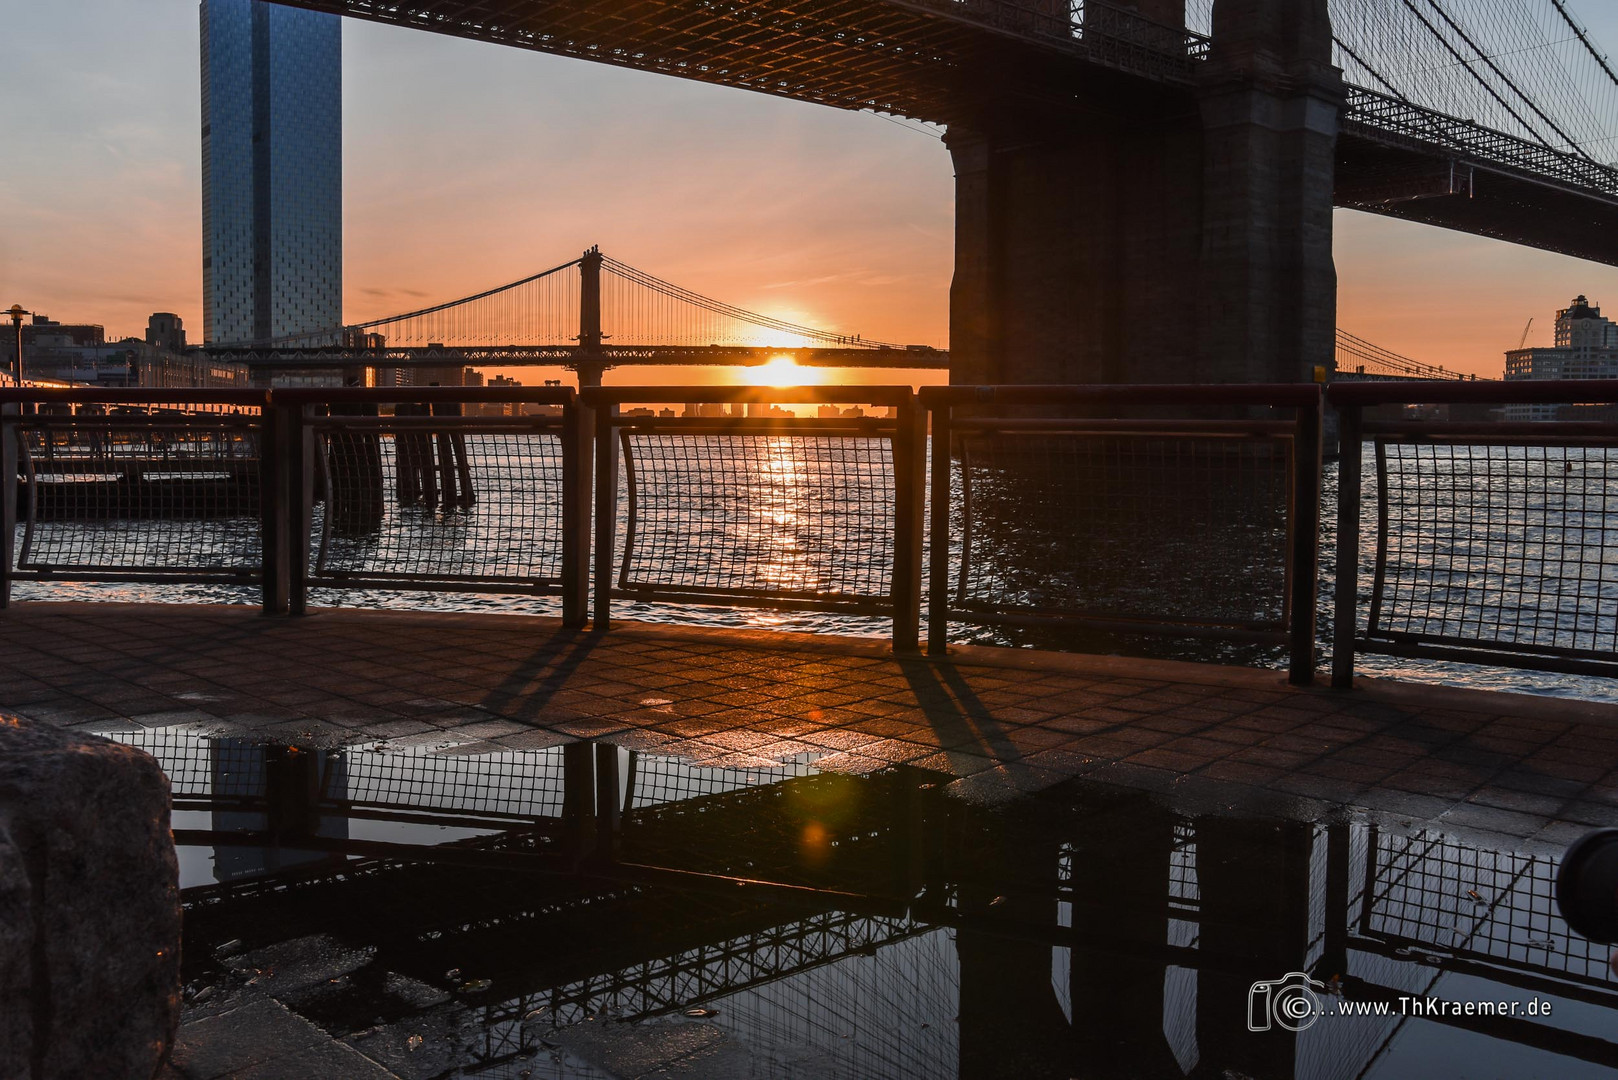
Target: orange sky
(470,164)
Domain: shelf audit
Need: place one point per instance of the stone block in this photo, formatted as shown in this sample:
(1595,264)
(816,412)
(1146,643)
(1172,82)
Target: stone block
(89,907)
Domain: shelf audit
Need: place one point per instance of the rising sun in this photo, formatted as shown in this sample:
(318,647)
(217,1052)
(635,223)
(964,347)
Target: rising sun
(782,371)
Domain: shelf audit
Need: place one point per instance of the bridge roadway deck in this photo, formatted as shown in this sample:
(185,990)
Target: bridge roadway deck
(1001,721)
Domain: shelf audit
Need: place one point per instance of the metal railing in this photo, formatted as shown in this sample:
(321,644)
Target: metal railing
(427,497)
(1492,539)
(403,490)
(811,514)
(283,491)
(1123,510)
(148,485)
(1061,506)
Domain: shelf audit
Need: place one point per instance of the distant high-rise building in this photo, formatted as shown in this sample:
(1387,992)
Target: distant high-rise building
(165,330)
(272,171)
(1586,348)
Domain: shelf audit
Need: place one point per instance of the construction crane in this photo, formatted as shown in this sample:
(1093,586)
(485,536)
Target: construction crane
(1523,343)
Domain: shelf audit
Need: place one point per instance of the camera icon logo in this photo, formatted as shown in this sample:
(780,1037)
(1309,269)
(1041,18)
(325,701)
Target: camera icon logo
(1292,1001)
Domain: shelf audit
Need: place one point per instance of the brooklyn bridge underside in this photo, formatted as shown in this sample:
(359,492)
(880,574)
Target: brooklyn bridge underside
(947,62)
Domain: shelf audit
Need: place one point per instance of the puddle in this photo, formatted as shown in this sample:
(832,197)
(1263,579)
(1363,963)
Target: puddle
(585,911)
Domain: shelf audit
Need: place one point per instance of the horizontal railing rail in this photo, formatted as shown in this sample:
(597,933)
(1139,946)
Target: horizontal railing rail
(1489,542)
(793,513)
(560,396)
(1060,507)
(134,396)
(1293,395)
(1472,392)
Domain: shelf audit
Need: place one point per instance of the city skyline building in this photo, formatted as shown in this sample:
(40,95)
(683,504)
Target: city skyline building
(272,171)
(1586,348)
(166,330)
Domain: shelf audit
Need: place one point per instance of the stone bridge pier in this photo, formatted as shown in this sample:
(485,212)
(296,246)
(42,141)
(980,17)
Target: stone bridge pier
(1143,233)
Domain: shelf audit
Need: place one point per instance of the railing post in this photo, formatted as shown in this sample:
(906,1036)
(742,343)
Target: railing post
(910,484)
(275,512)
(578,799)
(302,474)
(1334,958)
(1345,603)
(578,440)
(938,570)
(609,801)
(10,430)
(606,513)
(1305,542)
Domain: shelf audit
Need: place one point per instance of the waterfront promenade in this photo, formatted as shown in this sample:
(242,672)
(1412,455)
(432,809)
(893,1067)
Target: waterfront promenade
(1001,722)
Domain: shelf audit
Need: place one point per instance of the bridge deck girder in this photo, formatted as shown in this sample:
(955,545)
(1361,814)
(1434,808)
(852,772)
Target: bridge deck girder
(931,59)
(272,359)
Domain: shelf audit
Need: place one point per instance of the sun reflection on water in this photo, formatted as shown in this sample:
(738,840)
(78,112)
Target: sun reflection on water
(777,517)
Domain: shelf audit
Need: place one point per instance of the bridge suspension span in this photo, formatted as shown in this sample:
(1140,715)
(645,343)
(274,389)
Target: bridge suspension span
(588,314)
(561,316)
(589,301)
(1358,358)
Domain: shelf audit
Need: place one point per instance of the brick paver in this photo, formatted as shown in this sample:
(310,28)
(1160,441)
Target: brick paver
(1000,721)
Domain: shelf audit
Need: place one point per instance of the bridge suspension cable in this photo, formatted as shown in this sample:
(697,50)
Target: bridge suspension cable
(1356,356)
(705,321)
(1522,67)
(498,290)
(637,308)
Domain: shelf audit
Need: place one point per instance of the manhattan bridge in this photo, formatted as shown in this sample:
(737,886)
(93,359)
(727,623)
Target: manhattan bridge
(556,318)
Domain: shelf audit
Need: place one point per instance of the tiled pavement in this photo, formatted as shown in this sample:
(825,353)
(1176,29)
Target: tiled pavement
(1001,721)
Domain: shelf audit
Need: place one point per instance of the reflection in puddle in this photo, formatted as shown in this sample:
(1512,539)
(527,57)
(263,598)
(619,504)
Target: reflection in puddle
(584,911)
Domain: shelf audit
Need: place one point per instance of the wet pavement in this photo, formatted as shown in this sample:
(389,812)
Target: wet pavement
(455,845)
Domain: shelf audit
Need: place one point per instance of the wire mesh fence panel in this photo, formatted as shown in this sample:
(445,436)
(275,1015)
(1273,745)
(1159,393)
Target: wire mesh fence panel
(764,958)
(789,989)
(786,515)
(1161,528)
(189,761)
(524,784)
(436,506)
(160,493)
(1184,887)
(659,780)
(1497,906)
(1505,547)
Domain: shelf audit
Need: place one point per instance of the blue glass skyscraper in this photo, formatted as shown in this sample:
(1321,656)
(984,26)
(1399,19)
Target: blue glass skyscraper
(272,171)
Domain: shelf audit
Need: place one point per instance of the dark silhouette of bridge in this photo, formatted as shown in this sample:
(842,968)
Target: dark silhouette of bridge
(587,314)
(1145,187)
(559,317)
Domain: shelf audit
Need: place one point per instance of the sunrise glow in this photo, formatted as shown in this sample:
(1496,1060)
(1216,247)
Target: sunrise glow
(782,371)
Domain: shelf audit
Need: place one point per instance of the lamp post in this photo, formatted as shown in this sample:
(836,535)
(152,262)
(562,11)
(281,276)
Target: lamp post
(16,312)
